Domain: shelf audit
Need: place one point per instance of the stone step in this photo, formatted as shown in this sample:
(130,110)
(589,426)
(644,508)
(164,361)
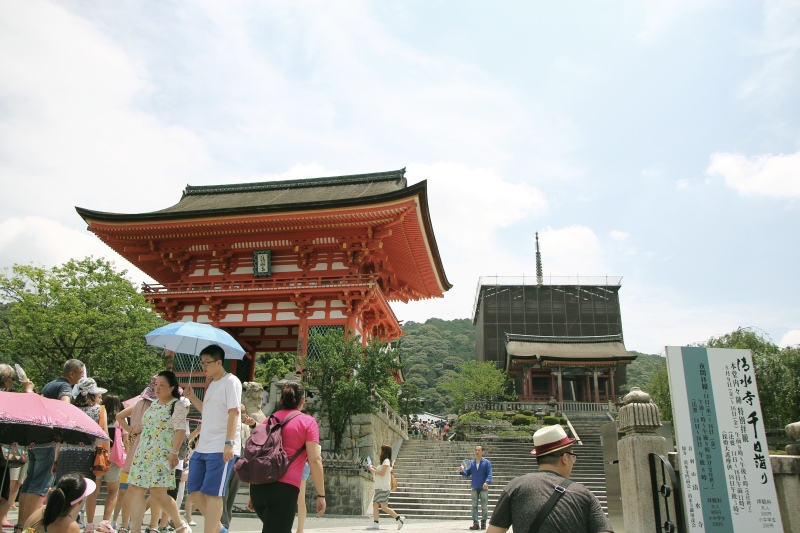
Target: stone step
(430,487)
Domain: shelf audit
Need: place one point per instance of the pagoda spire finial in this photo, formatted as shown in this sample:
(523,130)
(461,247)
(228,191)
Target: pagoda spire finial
(539,276)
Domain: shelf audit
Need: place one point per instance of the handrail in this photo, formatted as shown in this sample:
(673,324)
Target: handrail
(272,283)
(665,491)
(572,429)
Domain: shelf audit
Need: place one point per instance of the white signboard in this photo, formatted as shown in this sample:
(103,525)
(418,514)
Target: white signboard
(726,475)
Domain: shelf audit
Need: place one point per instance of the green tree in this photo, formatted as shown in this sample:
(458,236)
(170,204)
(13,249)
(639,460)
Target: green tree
(83,309)
(476,382)
(777,373)
(658,388)
(272,364)
(410,401)
(349,378)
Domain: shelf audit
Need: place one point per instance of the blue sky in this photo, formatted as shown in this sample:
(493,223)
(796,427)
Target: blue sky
(657,141)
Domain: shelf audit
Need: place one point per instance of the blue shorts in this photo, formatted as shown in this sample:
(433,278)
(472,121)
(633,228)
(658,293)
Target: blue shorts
(40,471)
(208,473)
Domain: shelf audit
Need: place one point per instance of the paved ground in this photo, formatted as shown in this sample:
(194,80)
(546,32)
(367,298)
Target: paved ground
(327,524)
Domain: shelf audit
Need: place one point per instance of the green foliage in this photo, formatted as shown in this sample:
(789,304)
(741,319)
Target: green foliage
(476,382)
(658,388)
(641,370)
(551,420)
(494,416)
(274,364)
(471,417)
(410,400)
(433,352)
(522,420)
(348,376)
(777,372)
(83,309)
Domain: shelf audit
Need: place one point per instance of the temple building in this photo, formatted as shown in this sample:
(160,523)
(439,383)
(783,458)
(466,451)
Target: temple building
(558,339)
(273,262)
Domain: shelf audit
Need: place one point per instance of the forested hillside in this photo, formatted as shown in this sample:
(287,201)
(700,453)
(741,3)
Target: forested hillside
(641,371)
(432,352)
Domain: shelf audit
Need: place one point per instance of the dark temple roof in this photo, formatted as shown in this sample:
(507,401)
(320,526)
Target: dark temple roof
(212,200)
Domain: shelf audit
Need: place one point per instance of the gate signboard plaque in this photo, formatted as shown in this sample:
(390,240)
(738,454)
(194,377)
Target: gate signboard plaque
(725,471)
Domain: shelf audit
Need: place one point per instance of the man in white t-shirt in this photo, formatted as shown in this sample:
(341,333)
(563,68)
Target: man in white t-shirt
(220,439)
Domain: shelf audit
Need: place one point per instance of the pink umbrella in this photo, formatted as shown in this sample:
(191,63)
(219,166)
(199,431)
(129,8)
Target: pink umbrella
(29,419)
(132,401)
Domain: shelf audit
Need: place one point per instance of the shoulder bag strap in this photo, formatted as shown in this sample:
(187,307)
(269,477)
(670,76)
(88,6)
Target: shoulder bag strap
(283,422)
(560,489)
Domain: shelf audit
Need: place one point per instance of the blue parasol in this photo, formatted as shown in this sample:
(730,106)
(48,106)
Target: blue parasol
(192,337)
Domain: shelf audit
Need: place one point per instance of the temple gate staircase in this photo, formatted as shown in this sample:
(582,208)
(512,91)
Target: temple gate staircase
(431,487)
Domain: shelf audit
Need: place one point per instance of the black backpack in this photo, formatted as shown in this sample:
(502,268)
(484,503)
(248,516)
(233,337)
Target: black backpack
(264,460)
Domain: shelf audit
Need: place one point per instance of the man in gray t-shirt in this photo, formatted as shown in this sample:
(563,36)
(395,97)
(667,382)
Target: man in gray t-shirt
(577,510)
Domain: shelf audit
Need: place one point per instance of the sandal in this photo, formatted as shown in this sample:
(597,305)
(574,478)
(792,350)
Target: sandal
(184,527)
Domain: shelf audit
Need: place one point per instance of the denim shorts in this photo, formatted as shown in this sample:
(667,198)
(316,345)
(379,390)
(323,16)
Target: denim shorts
(40,475)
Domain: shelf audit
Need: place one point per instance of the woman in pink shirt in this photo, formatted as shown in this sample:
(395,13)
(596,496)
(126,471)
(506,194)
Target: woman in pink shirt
(276,503)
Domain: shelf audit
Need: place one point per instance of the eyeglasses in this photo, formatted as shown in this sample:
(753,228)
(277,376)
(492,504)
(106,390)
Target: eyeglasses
(206,363)
(574,456)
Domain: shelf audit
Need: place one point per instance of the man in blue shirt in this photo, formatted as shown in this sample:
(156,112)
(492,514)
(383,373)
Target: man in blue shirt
(481,471)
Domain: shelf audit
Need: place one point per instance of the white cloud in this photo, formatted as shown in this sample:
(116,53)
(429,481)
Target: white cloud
(470,207)
(617,235)
(682,184)
(777,176)
(791,338)
(75,130)
(655,19)
(572,251)
(655,316)
(779,47)
(45,242)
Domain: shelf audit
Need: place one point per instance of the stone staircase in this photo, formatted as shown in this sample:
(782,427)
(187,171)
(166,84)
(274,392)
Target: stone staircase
(431,487)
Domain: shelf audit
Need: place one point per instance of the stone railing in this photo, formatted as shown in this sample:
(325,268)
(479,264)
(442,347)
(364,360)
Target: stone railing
(392,417)
(537,406)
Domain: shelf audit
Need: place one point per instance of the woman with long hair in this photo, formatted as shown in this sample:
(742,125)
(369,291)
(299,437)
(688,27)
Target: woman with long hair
(130,420)
(155,459)
(63,505)
(383,489)
(87,397)
(275,503)
(113,405)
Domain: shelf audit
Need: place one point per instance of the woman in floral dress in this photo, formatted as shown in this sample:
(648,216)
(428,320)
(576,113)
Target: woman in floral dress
(164,427)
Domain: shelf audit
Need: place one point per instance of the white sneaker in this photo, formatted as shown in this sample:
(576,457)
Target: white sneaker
(373,526)
(400,521)
(192,523)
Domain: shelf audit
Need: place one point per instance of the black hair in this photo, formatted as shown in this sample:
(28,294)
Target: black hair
(386,453)
(113,405)
(292,394)
(215,351)
(173,382)
(68,489)
(82,400)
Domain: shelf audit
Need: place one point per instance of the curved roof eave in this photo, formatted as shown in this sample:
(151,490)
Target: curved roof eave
(419,190)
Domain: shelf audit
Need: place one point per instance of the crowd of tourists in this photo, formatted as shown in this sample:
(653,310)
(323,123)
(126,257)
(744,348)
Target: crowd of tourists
(429,430)
(149,458)
(152,456)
